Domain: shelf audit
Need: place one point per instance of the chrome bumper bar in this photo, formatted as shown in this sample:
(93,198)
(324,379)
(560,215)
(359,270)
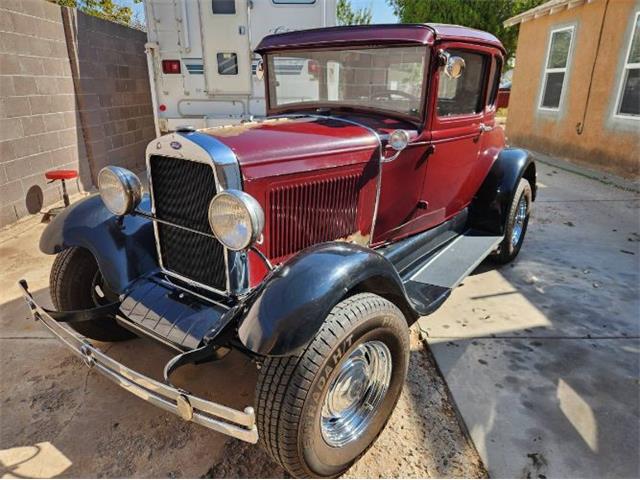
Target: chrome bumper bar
(241,425)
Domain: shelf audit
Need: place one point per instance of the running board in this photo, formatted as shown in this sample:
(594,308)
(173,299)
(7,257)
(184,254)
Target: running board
(430,282)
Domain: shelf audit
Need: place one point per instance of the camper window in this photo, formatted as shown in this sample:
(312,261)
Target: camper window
(226,7)
(227,63)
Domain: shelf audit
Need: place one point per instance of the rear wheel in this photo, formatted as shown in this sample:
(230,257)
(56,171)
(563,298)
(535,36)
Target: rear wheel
(517,223)
(320,411)
(77,284)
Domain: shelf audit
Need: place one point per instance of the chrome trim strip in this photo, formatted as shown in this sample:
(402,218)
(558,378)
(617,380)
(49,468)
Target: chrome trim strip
(238,424)
(227,172)
(155,218)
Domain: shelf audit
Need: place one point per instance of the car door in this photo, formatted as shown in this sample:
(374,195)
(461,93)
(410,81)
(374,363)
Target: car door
(457,121)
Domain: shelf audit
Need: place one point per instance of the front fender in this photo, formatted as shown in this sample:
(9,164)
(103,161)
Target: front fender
(289,307)
(123,251)
(490,206)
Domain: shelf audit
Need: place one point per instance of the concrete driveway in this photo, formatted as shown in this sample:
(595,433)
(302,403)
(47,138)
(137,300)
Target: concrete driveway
(543,356)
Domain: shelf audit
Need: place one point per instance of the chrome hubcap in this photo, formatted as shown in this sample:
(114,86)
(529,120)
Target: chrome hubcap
(356,393)
(518,225)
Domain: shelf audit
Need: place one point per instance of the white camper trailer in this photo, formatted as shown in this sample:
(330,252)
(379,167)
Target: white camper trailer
(200,55)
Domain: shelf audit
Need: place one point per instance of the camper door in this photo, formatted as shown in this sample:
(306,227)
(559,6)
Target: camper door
(225,44)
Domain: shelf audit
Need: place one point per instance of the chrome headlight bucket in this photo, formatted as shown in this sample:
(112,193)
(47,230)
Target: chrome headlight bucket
(120,189)
(236,219)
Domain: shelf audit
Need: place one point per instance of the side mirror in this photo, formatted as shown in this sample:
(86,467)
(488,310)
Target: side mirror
(454,67)
(260,70)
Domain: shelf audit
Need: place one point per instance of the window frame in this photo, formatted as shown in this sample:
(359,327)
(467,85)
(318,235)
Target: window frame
(623,77)
(565,69)
(487,59)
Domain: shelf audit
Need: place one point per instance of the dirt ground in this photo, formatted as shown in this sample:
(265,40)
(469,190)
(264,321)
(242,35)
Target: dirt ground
(58,419)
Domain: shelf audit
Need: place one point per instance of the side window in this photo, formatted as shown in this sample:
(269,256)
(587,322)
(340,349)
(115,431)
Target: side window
(495,80)
(462,95)
(628,104)
(556,66)
(227,63)
(224,7)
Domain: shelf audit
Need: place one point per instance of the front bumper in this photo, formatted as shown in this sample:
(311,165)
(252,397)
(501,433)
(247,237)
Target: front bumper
(235,423)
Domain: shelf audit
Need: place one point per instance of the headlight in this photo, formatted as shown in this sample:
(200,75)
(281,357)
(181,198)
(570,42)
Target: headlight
(236,219)
(120,189)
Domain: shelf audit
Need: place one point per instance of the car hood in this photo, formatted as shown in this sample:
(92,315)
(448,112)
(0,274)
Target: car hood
(296,144)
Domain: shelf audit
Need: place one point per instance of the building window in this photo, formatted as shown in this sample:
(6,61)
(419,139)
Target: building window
(463,95)
(555,71)
(628,101)
(227,63)
(223,7)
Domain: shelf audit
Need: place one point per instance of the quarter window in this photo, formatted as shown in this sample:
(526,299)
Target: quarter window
(462,95)
(227,63)
(556,65)
(629,96)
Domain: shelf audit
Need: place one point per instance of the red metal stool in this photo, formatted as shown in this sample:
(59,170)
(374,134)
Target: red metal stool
(62,175)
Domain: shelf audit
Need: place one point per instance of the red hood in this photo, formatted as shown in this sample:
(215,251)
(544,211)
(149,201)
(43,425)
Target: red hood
(295,144)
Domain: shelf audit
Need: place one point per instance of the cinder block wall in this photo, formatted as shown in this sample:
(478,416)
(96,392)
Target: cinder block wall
(74,94)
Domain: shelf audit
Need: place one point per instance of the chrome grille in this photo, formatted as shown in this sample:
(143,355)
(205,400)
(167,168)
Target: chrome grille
(312,212)
(182,191)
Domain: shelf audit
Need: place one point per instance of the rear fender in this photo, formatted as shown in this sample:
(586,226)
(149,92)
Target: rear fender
(124,251)
(284,313)
(490,206)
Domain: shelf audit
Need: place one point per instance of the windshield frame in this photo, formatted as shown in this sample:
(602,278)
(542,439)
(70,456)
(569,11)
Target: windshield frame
(304,107)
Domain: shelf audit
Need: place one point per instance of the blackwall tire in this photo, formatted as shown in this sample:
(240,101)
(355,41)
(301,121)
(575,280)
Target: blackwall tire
(296,423)
(517,221)
(72,284)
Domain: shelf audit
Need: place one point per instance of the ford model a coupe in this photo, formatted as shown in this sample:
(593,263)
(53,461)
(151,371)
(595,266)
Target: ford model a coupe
(309,241)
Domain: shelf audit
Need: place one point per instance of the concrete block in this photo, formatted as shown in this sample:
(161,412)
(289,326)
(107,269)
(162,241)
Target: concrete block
(11,192)
(9,63)
(48,141)
(16,170)
(68,137)
(46,85)
(64,155)
(71,119)
(33,125)
(25,85)
(10,128)
(6,151)
(31,66)
(16,107)
(40,104)
(53,122)
(6,87)
(51,11)
(25,146)
(63,103)
(65,85)
(3,175)
(7,213)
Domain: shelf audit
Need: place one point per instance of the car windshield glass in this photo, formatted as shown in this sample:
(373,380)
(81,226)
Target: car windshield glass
(388,78)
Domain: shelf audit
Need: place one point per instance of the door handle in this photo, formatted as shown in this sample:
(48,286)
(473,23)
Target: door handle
(485,128)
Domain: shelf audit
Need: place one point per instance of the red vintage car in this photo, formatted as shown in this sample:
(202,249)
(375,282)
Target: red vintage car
(309,241)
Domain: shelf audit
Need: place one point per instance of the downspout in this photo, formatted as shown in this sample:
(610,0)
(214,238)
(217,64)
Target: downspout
(580,124)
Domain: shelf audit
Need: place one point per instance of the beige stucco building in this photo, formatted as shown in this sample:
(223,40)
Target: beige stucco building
(576,83)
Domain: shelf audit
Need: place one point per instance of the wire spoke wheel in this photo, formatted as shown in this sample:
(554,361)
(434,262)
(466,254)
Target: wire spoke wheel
(521,216)
(356,393)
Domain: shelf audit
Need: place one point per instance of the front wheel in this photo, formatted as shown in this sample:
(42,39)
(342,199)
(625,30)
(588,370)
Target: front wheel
(76,283)
(320,411)
(517,223)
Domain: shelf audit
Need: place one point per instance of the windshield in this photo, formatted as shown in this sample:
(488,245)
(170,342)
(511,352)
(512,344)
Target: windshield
(388,78)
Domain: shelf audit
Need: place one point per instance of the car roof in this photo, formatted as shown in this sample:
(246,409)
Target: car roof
(422,33)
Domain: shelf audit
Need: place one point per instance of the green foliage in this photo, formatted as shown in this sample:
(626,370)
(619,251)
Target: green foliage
(105,9)
(487,15)
(346,15)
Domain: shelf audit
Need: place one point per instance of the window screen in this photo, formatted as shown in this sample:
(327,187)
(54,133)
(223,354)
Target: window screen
(227,63)
(556,68)
(629,97)
(462,95)
(225,7)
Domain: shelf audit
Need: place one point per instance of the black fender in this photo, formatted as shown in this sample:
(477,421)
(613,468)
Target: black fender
(489,209)
(123,249)
(288,308)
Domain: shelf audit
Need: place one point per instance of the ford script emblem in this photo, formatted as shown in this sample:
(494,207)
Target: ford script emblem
(176,145)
